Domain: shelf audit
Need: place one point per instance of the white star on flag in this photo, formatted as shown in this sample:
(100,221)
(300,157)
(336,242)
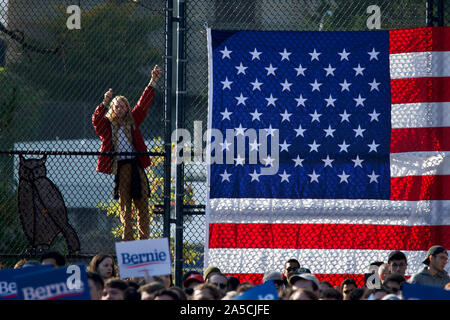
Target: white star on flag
(285,116)
(300,70)
(226,114)
(359,70)
(373,146)
(226,53)
(225,176)
(271,100)
(255,175)
(241,68)
(373,177)
(285,54)
(314,55)
(328,161)
(241,99)
(343,177)
(255,54)
(314,177)
(256,85)
(270,70)
(256,115)
(373,54)
(298,161)
(344,55)
(357,161)
(226,84)
(284,176)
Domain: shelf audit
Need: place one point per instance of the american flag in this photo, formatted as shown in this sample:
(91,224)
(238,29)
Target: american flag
(362,167)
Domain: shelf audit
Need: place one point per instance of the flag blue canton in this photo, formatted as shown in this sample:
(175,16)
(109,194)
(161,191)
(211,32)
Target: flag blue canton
(327,93)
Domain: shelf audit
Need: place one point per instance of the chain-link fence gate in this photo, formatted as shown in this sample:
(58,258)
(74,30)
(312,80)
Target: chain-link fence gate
(55,69)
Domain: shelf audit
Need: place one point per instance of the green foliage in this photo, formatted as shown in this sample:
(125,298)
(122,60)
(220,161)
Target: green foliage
(156,183)
(111,49)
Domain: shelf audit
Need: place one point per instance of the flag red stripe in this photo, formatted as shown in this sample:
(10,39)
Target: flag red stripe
(415,188)
(419,40)
(426,89)
(420,139)
(334,279)
(326,236)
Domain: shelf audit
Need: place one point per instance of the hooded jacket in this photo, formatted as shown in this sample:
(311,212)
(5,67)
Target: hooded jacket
(107,132)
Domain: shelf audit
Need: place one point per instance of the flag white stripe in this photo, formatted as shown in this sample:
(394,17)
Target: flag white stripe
(420,163)
(319,261)
(419,64)
(329,211)
(420,115)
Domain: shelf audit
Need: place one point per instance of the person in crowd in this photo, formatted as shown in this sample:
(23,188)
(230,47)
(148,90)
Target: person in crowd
(206,291)
(54,258)
(179,292)
(304,280)
(220,281)
(393,283)
(290,266)
(166,294)
(233,283)
(303,294)
(149,290)
(277,278)
(330,294)
(209,271)
(384,271)
(347,286)
(118,129)
(323,285)
(20,263)
(190,280)
(114,289)
(375,294)
(104,265)
(434,273)
(398,263)
(131,293)
(96,285)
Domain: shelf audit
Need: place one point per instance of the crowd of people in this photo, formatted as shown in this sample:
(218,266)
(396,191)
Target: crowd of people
(294,282)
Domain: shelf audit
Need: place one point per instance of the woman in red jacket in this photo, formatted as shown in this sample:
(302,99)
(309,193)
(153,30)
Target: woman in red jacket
(118,129)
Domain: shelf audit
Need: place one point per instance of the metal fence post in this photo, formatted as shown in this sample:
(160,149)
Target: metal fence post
(168,117)
(179,187)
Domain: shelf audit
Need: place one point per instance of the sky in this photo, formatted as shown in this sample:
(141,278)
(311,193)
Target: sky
(3,10)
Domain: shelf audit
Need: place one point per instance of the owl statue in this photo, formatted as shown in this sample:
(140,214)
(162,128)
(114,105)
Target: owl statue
(41,207)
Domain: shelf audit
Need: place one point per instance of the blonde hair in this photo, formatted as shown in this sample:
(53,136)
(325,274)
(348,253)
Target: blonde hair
(111,115)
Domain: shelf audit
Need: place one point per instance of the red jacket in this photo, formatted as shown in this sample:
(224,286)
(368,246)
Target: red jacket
(103,128)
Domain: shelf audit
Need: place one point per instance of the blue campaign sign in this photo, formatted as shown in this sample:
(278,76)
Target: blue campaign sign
(265,291)
(64,283)
(8,285)
(423,292)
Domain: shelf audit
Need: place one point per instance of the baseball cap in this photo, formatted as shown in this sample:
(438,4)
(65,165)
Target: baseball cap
(272,275)
(396,255)
(209,270)
(306,276)
(193,277)
(434,250)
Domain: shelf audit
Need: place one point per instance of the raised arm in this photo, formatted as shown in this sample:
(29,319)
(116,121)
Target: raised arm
(140,110)
(99,121)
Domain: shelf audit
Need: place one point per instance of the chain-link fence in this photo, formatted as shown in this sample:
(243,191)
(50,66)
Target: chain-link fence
(58,58)
(289,15)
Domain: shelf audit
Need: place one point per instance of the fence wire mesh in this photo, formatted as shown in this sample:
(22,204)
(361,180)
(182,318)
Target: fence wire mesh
(57,60)
(279,15)
(53,75)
